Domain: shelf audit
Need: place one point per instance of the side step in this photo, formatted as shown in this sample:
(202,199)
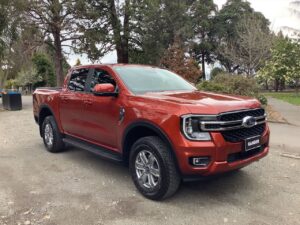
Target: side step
(100,151)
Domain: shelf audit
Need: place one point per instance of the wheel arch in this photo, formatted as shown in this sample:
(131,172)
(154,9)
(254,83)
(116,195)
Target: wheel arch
(44,111)
(140,129)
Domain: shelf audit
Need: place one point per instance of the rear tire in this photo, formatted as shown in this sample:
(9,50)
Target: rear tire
(153,168)
(52,137)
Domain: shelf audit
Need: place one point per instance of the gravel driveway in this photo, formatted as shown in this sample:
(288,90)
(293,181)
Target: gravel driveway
(77,187)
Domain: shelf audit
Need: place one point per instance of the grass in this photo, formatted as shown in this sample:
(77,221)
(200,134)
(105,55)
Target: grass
(289,97)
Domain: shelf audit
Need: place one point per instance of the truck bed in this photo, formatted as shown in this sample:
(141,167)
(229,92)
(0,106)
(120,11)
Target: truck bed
(45,96)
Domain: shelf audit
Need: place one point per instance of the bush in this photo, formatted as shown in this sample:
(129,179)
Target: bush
(10,84)
(233,84)
(263,100)
(213,86)
(215,71)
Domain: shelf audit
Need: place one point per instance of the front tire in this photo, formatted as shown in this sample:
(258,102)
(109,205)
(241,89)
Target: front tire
(153,168)
(51,135)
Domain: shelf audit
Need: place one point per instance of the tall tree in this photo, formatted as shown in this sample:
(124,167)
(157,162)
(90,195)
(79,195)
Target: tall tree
(3,26)
(156,24)
(202,13)
(226,25)
(253,46)
(139,30)
(57,23)
(176,59)
(106,26)
(44,69)
(284,63)
(9,35)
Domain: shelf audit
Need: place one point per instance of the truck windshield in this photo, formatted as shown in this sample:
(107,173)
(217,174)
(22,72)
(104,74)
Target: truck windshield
(150,79)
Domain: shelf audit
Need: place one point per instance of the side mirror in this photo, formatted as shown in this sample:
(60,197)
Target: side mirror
(105,90)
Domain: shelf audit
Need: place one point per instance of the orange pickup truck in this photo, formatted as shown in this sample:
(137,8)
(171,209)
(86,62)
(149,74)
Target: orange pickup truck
(153,121)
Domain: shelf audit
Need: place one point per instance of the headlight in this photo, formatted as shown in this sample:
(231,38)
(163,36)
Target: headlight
(191,127)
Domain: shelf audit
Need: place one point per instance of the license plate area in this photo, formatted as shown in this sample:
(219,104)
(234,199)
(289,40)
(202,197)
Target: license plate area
(252,143)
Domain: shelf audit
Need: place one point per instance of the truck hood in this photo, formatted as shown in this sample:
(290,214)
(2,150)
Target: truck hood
(205,102)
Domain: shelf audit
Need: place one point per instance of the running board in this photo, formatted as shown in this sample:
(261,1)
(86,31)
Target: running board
(100,151)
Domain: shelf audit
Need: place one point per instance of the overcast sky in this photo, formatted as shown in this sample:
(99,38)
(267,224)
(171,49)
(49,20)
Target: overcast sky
(279,12)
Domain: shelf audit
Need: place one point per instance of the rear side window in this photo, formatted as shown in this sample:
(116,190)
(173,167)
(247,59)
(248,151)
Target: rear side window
(101,77)
(78,80)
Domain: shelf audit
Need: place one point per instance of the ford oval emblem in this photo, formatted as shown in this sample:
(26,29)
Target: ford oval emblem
(248,122)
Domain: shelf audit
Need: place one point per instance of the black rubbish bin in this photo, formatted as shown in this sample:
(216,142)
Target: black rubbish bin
(12,100)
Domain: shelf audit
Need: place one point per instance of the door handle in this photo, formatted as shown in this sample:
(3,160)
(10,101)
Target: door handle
(88,102)
(64,99)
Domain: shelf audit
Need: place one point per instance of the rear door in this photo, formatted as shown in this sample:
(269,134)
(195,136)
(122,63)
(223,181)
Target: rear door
(72,102)
(101,112)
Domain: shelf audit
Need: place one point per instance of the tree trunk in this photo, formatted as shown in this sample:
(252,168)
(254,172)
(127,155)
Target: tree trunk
(1,82)
(1,77)
(297,86)
(282,84)
(125,38)
(248,71)
(203,66)
(235,68)
(4,78)
(58,59)
(119,53)
(276,85)
(267,85)
(121,41)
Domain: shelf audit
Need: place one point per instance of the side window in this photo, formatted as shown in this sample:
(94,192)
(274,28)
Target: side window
(101,77)
(78,79)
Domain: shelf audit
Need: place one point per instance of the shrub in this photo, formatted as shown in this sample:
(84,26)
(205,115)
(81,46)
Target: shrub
(233,84)
(215,71)
(10,84)
(213,86)
(263,100)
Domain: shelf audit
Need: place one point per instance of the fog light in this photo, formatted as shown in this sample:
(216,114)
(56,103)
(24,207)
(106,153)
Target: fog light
(200,161)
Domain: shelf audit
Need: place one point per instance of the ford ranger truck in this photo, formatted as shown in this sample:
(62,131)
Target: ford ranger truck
(153,121)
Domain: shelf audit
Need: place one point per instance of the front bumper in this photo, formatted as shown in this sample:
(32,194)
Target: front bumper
(224,156)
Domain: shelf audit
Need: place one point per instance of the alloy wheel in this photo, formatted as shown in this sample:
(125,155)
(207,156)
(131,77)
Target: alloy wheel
(48,134)
(147,169)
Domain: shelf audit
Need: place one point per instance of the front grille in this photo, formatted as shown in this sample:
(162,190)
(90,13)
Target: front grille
(231,116)
(234,125)
(243,133)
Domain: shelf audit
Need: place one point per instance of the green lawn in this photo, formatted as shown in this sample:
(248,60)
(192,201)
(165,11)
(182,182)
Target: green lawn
(287,97)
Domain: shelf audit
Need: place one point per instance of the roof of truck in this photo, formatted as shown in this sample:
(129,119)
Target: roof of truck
(109,65)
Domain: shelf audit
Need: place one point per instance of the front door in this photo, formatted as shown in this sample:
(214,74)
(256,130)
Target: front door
(72,103)
(101,112)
